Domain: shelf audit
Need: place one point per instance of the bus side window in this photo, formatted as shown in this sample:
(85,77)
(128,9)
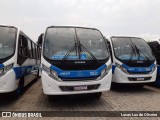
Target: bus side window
(155,47)
(23,46)
(36,51)
(39,52)
(33,49)
(30,49)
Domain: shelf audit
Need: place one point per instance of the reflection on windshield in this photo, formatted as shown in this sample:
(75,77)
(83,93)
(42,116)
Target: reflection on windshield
(131,49)
(7,41)
(58,42)
(74,41)
(92,40)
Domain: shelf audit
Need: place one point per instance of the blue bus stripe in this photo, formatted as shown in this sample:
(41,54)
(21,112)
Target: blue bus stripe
(138,69)
(78,73)
(22,71)
(113,68)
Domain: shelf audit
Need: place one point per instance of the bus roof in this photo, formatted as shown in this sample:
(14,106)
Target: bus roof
(109,37)
(70,27)
(8,26)
(125,37)
(19,31)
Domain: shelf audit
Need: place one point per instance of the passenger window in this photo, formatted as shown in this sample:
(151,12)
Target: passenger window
(23,46)
(30,49)
(39,53)
(36,51)
(33,49)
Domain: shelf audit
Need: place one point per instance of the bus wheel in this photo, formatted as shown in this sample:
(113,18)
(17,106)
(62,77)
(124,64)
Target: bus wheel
(51,98)
(20,86)
(139,86)
(97,95)
(37,74)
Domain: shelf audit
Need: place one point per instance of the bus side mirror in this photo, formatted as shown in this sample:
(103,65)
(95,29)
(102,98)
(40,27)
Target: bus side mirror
(107,41)
(109,46)
(40,39)
(110,49)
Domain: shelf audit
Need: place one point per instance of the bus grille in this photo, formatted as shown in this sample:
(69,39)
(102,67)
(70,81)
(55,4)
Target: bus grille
(79,79)
(138,73)
(135,79)
(71,88)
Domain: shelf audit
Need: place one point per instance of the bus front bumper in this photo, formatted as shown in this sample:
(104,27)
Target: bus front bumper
(8,82)
(121,77)
(53,87)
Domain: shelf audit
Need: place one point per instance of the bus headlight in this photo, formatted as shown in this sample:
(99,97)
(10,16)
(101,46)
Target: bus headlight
(45,68)
(121,68)
(153,69)
(50,72)
(106,70)
(54,74)
(5,69)
(8,67)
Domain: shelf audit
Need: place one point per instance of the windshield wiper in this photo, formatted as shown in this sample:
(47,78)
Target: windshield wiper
(139,52)
(93,57)
(78,46)
(74,47)
(133,52)
(71,50)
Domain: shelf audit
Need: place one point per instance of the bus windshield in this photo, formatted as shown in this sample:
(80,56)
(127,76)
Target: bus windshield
(128,48)
(74,44)
(7,41)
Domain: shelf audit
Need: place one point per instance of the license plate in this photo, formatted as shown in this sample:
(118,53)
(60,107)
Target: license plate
(140,78)
(78,88)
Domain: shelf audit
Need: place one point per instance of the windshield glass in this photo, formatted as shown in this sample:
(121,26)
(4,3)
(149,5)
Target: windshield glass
(7,41)
(62,41)
(93,41)
(127,48)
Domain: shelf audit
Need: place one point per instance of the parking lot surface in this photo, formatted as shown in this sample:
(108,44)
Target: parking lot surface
(119,99)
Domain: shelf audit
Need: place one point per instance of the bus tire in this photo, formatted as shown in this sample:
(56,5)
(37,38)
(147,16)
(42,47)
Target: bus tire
(51,98)
(38,74)
(97,95)
(139,86)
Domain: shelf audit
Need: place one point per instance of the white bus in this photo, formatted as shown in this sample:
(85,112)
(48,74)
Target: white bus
(19,59)
(155,46)
(133,61)
(75,60)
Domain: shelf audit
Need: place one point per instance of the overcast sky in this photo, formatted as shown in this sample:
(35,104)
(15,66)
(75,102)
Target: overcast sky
(111,17)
